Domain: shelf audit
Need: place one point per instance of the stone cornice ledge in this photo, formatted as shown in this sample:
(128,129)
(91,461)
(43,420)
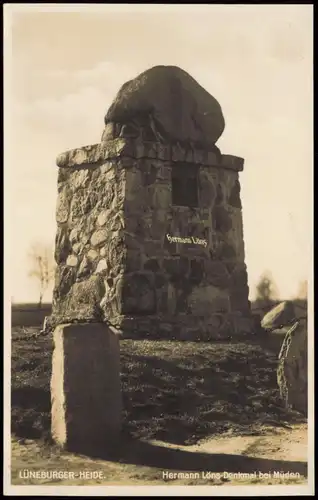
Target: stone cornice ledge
(119,148)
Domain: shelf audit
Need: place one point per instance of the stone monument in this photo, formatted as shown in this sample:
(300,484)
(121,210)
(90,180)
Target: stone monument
(150,234)
(149,243)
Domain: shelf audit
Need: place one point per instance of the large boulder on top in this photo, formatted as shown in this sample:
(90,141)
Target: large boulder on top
(168,99)
(292,370)
(281,315)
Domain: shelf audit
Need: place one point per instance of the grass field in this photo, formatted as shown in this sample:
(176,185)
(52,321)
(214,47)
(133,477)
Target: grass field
(29,314)
(178,392)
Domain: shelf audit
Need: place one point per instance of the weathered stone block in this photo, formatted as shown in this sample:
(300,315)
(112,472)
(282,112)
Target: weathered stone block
(85,387)
(239,300)
(161,279)
(208,298)
(292,371)
(177,268)
(103,217)
(224,251)
(152,265)
(216,274)
(149,175)
(232,162)
(133,261)
(82,299)
(207,192)
(282,314)
(196,271)
(221,220)
(161,199)
(243,323)
(101,267)
(138,294)
(178,154)
(235,198)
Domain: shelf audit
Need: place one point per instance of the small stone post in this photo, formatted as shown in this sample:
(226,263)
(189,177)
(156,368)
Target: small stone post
(85,387)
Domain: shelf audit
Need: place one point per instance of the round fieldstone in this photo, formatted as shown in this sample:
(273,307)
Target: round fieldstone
(92,255)
(177,268)
(101,266)
(75,235)
(77,248)
(103,218)
(72,261)
(174,105)
(99,237)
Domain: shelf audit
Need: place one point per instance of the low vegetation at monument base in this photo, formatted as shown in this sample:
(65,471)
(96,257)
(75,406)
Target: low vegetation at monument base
(177,392)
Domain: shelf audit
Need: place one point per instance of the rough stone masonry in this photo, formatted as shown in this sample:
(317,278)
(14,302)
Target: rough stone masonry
(150,233)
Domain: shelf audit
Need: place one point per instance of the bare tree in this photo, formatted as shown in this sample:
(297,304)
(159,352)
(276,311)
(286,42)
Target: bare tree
(42,267)
(266,290)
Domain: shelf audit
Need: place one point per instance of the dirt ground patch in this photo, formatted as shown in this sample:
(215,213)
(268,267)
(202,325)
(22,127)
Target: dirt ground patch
(277,456)
(195,414)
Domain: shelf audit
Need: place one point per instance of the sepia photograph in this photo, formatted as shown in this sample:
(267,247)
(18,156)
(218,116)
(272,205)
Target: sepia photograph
(158,255)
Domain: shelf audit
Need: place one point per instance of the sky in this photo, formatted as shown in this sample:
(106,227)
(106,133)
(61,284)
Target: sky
(64,65)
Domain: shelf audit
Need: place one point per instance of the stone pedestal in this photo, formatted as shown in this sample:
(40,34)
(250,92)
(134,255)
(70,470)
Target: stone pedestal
(149,221)
(85,386)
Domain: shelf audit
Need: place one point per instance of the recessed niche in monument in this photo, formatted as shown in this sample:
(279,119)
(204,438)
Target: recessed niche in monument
(184,185)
